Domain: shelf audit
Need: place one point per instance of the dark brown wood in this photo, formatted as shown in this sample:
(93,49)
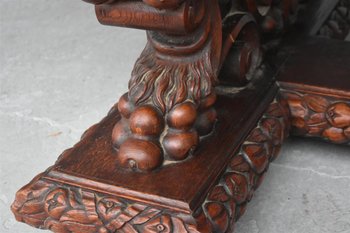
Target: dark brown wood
(321,116)
(315,78)
(164,86)
(329,19)
(186,147)
(205,165)
(75,195)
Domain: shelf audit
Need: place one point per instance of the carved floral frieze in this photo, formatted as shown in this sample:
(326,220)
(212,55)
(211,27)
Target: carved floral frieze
(319,116)
(65,209)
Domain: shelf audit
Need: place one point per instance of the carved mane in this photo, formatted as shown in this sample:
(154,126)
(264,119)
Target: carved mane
(163,83)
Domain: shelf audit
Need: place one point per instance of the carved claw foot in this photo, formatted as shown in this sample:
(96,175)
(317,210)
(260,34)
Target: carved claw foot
(171,95)
(169,106)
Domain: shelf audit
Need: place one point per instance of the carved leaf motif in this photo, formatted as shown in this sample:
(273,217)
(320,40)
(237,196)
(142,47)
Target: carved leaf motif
(315,130)
(257,136)
(56,203)
(238,163)
(71,210)
(338,115)
(79,216)
(55,226)
(161,223)
(274,129)
(237,184)
(316,103)
(297,108)
(317,123)
(178,226)
(218,215)
(227,201)
(325,117)
(317,119)
(32,207)
(218,194)
(300,126)
(335,134)
(275,110)
(79,227)
(347,132)
(257,157)
(145,216)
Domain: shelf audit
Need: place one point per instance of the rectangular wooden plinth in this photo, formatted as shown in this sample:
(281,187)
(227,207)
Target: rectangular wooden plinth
(206,193)
(86,192)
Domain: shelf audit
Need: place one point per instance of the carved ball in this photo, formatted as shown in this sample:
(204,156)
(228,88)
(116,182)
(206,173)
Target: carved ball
(139,154)
(205,121)
(208,101)
(182,116)
(146,121)
(125,107)
(120,133)
(179,146)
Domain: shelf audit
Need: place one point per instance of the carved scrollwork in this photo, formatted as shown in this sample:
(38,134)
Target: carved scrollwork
(64,209)
(319,116)
(249,28)
(227,201)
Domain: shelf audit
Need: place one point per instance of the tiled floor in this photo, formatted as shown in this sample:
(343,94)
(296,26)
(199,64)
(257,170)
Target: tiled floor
(61,71)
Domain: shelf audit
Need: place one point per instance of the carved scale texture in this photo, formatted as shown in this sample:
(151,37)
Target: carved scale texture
(319,116)
(227,201)
(337,26)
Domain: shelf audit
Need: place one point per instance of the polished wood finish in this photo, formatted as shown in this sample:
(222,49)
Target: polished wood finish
(319,105)
(320,116)
(74,194)
(211,99)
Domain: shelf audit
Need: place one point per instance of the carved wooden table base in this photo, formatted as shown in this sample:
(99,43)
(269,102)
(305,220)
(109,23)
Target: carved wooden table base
(187,146)
(76,195)
(63,200)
